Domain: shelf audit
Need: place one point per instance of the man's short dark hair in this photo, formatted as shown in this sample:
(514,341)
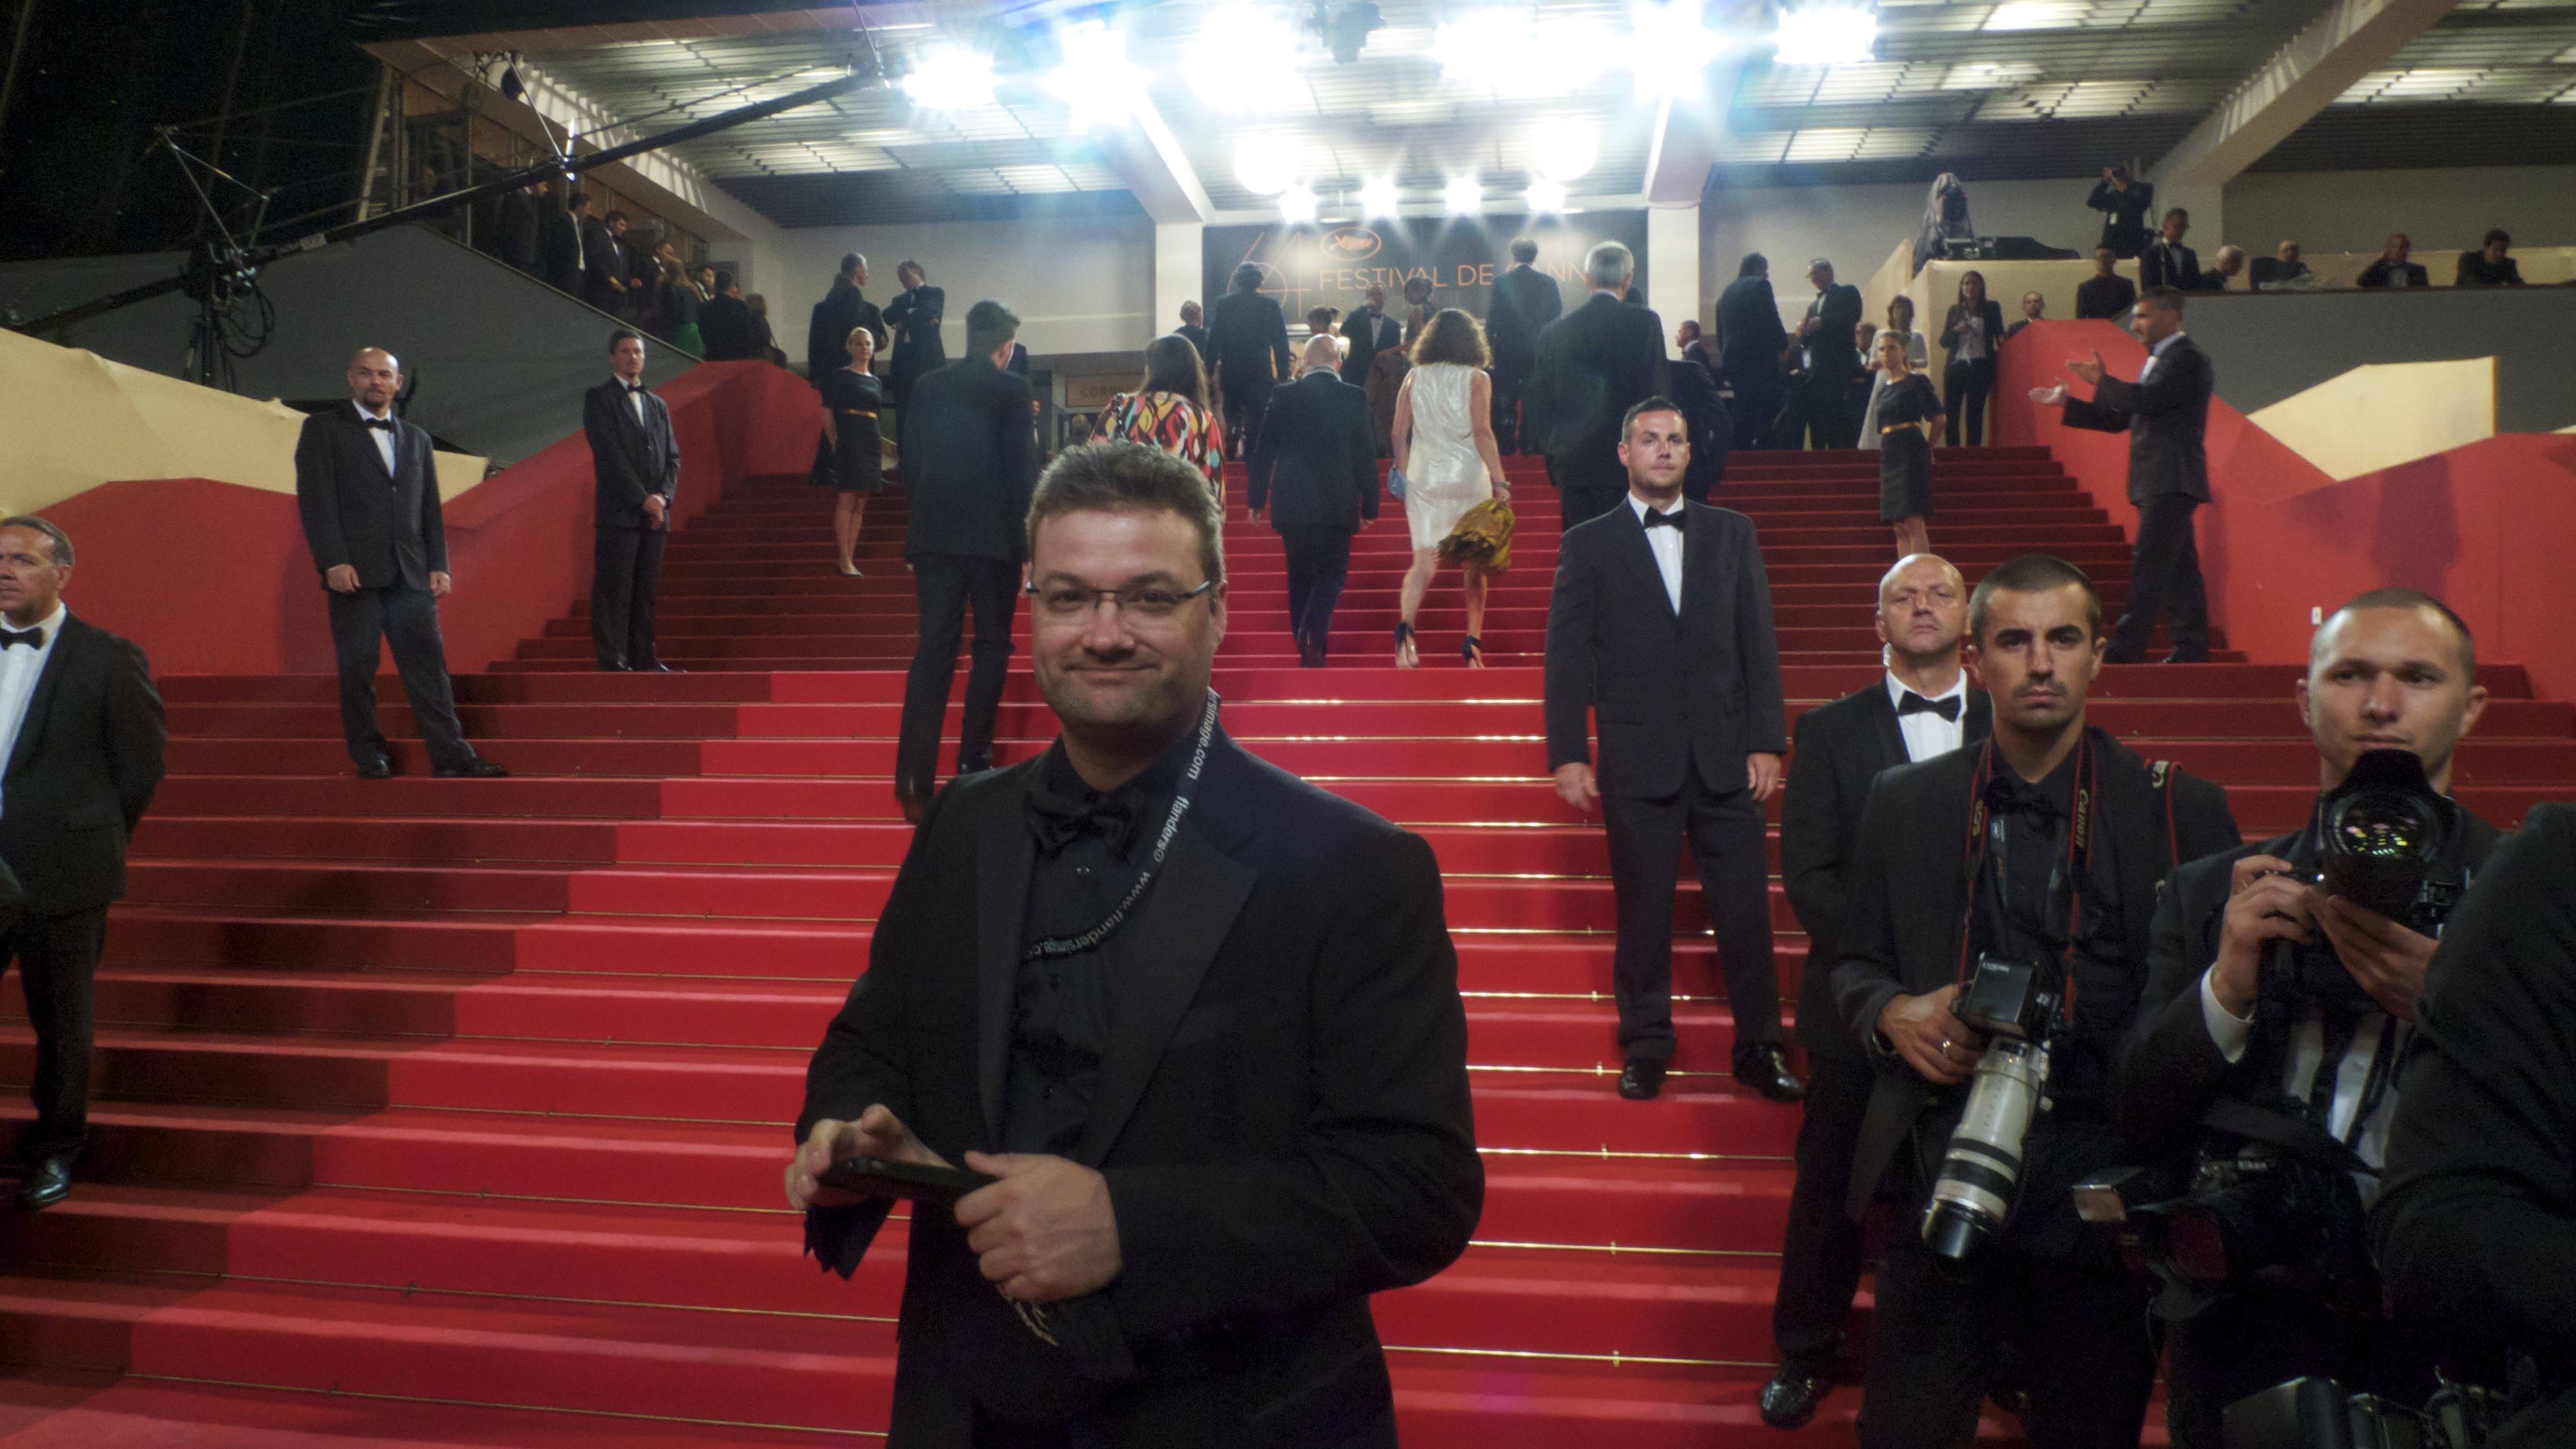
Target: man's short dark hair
(615,216)
(59,541)
(2033,573)
(2182,212)
(2397,597)
(1524,250)
(2169,298)
(1656,404)
(1247,278)
(989,325)
(622,335)
(1754,265)
(724,281)
(577,200)
(850,262)
(1123,477)
(2498,234)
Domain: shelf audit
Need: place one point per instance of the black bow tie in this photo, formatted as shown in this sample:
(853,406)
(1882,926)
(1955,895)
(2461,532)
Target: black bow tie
(1947,706)
(1058,822)
(1663,520)
(32,638)
(384,424)
(2009,794)
(632,388)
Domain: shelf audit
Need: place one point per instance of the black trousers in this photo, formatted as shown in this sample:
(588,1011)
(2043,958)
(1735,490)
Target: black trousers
(57,960)
(1822,412)
(407,619)
(1511,390)
(1245,402)
(625,580)
(2164,573)
(1820,1255)
(1940,1326)
(946,586)
(2247,1342)
(1319,561)
(1965,387)
(1725,835)
(1586,490)
(1757,409)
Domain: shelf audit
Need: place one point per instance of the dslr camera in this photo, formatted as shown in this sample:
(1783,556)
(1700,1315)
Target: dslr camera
(2318,1413)
(2015,1005)
(2384,840)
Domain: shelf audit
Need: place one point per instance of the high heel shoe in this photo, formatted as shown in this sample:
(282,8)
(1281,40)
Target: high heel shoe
(850,571)
(1473,650)
(1406,657)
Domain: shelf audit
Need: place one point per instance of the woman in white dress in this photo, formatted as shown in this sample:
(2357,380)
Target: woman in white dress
(1444,443)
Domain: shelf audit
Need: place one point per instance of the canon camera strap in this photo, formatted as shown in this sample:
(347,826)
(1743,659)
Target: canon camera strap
(1056,946)
(2079,857)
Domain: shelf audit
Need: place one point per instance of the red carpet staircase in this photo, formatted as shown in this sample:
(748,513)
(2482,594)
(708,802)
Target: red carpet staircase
(454,1111)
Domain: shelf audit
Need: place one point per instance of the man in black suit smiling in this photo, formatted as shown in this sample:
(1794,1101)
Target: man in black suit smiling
(366,483)
(636,462)
(1660,626)
(1921,707)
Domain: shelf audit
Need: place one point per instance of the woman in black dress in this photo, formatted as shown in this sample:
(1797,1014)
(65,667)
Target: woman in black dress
(851,400)
(1909,423)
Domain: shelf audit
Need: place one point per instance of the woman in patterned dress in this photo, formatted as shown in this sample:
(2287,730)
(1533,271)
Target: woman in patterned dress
(1169,409)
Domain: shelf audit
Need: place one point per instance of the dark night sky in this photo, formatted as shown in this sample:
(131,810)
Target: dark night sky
(98,76)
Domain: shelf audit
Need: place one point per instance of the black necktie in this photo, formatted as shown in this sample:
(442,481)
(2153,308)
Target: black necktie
(1058,822)
(1663,520)
(385,424)
(32,638)
(1947,706)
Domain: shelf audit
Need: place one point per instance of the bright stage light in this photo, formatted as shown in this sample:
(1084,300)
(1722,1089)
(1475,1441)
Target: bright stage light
(1244,59)
(1265,165)
(1095,78)
(1826,35)
(1546,196)
(1565,150)
(950,79)
(1463,197)
(1298,204)
(1379,198)
(1670,49)
(1511,52)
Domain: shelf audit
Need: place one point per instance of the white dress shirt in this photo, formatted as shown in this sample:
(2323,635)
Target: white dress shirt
(2155,355)
(20,668)
(1667,545)
(384,438)
(634,399)
(2231,1033)
(1927,734)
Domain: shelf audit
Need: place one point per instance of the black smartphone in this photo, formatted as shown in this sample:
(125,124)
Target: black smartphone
(881,1177)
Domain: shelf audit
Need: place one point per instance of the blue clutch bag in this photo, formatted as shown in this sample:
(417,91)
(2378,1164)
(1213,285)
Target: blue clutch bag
(1395,484)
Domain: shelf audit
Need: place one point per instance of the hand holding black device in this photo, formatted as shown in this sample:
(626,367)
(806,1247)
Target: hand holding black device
(911,1181)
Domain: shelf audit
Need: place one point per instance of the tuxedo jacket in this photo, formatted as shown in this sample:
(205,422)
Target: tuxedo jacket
(915,316)
(2170,1073)
(974,464)
(1248,335)
(558,246)
(1831,354)
(843,310)
(603,263)
(1839,749)
(2168,264)
(1906,895)
(1525,301)
(1750,337)
(2166,418)
(1369,334)
(629,459)
(1282,1113)
(1315,463)
(1671,693)
(1592,365)
(87,760)
(387,526)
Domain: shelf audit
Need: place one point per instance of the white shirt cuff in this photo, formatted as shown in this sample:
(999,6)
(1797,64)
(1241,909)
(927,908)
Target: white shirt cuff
(2228,1030)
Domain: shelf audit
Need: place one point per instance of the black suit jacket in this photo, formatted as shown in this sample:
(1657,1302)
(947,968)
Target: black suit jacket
(2168,264)
(514,230)
(1525,301)
(2170,1073)
(1315,466)
(1369,333)
(974,462)
(1698,691)
(1198,338)
(915,316)
(1750,337)
(827,331)
(1906,894)
(1711,425)
(87,760)
(1831,353)
(1956,325)
(1282,1113)
(603,265)
(2166,418)
(387,527)
(728,332)
(1593,364)
(558,246)
(629,459)
(2104,296)
(1248,335)
(2476,271)
(1839,749)
(2383,271)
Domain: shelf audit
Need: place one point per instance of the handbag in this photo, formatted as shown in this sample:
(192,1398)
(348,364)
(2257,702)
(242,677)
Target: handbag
(1483,537)
(1395,484)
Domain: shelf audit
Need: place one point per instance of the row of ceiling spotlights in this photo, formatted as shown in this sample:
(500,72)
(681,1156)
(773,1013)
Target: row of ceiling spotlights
(1462,197)
(1246,57)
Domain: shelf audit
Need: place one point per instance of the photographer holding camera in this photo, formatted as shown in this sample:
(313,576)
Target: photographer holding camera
(2277,1005)
(1999,905)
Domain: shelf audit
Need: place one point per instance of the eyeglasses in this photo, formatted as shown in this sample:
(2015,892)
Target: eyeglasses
(1068,603)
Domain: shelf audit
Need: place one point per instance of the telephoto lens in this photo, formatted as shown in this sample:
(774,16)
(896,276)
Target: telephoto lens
(1983,1166)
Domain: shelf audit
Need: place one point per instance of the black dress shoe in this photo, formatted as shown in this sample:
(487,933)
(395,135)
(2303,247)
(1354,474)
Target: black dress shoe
(477,768)
(1766,1071)
(651,666)
(913,800)
(1641,1080)
(1790,1399)
(612,666)
(378,767)
(45,1184)
(2198,656)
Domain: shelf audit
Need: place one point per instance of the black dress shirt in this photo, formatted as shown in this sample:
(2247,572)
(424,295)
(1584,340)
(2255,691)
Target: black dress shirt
(1062,1005)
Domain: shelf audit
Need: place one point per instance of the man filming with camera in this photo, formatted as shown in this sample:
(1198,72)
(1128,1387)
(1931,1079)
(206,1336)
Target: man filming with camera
(2282,987)
(1991,963)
